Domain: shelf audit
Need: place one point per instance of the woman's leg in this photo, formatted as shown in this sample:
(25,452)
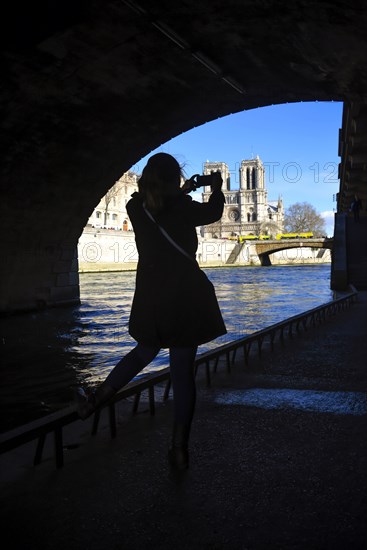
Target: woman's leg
(130,365)
(125,370)
(183,384)
(182,362)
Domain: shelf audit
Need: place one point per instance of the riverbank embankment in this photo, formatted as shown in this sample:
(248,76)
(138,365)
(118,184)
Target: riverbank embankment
(110,250)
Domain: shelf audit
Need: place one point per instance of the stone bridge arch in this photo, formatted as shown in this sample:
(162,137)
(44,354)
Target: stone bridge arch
(89,88)
(265,249)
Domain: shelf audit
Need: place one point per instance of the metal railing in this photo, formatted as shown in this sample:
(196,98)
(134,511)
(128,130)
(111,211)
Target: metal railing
(54,423)
(287,327)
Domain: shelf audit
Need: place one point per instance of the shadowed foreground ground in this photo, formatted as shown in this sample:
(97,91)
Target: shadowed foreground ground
(292,476)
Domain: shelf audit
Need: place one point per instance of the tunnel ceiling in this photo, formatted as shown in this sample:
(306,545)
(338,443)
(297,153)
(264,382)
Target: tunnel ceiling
(90,87)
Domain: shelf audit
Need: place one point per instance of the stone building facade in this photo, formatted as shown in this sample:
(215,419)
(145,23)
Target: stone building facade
(110,213)
(247,210)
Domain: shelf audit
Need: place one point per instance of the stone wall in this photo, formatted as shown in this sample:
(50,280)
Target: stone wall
(39,277)
(108,250)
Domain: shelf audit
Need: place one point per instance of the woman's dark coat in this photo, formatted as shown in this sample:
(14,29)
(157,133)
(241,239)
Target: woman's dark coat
(174,303)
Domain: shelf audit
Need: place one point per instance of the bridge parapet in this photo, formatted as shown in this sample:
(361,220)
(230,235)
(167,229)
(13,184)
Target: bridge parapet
(268,247)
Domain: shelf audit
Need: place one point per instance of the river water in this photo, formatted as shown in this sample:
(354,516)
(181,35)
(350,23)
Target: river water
(46,354)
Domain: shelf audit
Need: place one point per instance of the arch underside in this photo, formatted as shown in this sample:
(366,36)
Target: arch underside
(99,85)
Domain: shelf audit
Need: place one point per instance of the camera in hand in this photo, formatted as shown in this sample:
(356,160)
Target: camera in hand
(200,181)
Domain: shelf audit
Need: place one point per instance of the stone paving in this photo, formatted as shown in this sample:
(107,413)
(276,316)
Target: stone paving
(278,461)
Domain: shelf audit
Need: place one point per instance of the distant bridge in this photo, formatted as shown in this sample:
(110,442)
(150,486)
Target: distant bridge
(265,248)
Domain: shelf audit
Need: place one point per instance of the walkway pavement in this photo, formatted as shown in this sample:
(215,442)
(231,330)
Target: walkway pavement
(278,461)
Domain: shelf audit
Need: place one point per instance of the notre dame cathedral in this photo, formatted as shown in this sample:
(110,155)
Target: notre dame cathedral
(247,210)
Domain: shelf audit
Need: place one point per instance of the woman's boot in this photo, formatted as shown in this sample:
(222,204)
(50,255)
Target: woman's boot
(178,455)
(87,404)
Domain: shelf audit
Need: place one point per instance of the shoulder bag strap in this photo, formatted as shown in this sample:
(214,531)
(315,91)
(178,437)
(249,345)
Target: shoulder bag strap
(168,237)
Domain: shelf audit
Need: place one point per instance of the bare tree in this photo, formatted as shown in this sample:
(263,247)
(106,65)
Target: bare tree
(269,228)
(302,217)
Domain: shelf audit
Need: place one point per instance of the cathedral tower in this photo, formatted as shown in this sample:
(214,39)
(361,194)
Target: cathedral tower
(246,210)
(253,195)
(221,167)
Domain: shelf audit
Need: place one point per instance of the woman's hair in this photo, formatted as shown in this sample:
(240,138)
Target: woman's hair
(161,178)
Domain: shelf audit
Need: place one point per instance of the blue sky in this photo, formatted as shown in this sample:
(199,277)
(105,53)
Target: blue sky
(297,142)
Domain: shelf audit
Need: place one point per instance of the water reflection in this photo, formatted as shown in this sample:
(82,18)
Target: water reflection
(45,354)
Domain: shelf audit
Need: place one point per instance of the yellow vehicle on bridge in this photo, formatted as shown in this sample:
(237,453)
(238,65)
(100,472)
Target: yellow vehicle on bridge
(307,235)
(279,236)
(254,238)
(243,238)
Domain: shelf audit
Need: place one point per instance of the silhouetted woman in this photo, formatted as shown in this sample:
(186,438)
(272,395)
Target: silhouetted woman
(355,207)
(174,304)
